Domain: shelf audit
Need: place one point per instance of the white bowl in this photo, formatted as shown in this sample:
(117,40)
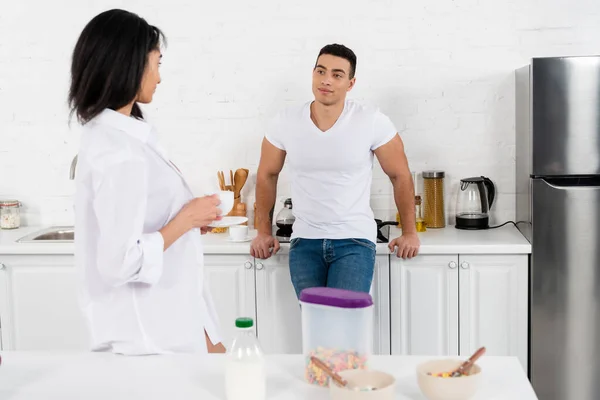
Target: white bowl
(383,382)
(438,388)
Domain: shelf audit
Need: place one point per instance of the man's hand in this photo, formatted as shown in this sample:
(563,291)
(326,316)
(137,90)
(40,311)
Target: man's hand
(408,245)
(262,244)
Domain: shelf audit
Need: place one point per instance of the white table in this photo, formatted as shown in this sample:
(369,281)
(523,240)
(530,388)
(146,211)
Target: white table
(103,376)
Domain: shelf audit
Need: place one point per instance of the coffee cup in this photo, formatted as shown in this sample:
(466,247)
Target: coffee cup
(238,232)
(226,198)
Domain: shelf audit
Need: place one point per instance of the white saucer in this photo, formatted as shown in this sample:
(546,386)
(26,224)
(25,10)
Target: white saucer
(247,239)
(228,221)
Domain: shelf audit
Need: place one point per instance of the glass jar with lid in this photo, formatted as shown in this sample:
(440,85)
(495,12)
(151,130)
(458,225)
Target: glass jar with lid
(10,214)
(433,188)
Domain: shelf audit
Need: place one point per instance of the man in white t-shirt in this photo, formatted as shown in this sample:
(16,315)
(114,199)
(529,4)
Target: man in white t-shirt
(329,144)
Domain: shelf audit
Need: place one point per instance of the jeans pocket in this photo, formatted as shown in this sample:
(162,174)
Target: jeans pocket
(293,242)
(366,243)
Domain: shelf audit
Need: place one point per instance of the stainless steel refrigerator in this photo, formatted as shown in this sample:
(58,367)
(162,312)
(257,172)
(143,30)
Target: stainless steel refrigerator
(558,195)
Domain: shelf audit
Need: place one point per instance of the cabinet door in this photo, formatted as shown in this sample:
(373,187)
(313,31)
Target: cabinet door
(230,278)
(4,309)
(494,305)
(380,291)
(424,302)
(39,307)
(279,314)
(278,310)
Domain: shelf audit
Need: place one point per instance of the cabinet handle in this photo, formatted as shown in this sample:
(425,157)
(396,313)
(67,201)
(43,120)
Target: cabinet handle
(259,265)
(2,266)
(452,264)
(464,265)
(248,265)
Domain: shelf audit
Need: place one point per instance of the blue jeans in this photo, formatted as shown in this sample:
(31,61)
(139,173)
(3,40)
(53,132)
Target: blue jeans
(338,263)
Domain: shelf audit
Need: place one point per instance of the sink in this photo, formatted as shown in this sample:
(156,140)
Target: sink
(55,234)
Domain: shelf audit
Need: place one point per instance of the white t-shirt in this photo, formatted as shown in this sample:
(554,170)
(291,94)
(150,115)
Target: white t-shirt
(331,171)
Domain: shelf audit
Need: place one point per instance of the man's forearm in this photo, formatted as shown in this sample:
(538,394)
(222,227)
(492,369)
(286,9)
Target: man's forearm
(404,195)
(266,191)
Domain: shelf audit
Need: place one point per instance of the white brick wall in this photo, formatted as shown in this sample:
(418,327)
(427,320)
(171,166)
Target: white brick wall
(441,69)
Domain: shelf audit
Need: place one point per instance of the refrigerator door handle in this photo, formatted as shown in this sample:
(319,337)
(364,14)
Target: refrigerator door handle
(572,182)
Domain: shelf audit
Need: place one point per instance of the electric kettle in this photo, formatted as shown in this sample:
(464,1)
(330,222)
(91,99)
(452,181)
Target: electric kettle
(475,198)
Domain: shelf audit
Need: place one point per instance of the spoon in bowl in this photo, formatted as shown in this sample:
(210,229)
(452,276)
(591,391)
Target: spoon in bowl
(338,379)
(464,368)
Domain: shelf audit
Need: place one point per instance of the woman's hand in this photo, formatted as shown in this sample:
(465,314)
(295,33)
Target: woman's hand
(198,213)
(201,211)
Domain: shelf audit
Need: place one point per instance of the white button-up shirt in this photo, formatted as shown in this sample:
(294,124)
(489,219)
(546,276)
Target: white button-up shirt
(138,299)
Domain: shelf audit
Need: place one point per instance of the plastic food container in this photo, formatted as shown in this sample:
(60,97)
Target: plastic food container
(337,328)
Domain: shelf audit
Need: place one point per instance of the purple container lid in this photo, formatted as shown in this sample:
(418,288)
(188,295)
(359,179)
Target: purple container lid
(336,297)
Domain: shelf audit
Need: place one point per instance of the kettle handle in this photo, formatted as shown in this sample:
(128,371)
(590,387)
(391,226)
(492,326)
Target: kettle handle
(491,190)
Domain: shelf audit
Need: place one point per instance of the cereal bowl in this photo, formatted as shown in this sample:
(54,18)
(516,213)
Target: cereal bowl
(447,388)
(383,384)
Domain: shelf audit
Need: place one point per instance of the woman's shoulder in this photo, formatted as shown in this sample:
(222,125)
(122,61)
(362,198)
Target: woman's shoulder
(105,145)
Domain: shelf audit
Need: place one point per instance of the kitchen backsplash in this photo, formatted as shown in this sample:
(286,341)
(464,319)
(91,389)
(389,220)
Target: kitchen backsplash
(442,70)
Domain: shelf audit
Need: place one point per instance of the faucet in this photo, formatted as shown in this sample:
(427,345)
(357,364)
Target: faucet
(73,165)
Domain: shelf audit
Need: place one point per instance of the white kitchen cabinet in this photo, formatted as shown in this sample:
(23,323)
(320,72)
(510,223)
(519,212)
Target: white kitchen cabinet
(242,286)
(380,291)
(440,304)
(493,305)
(230,279)
(452,305)
(424,305)
(278,311)
(39,308)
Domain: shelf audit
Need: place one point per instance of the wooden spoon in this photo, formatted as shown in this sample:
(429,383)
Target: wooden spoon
(463,368)
(339,380)
(241,175)
(221,180)
(466,366)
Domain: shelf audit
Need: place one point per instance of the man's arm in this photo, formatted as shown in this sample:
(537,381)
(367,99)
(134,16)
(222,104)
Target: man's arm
(269,167)
(392,159)
(271,162)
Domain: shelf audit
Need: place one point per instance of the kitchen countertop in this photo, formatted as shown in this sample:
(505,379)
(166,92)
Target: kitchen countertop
(91,376)
(505,240)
